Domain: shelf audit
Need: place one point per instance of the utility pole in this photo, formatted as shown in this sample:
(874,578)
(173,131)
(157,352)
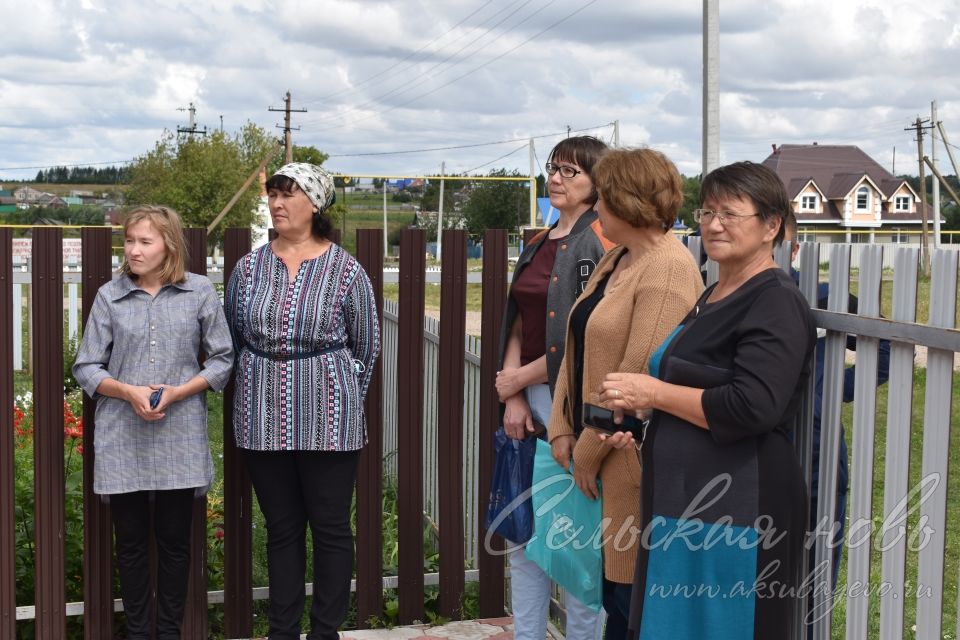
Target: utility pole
(386,239)
(616,133)
(946,145)
(918,126)
(936,183)
(443,168)
(287,137)
(711,86)
(192,129)
(533,186)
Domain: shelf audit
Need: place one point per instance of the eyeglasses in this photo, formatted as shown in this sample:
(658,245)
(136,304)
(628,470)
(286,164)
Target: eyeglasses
(704,216)
(566,171)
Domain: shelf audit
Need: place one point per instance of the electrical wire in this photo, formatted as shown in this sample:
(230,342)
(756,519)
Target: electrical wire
(470,72)
(506,155)
(68,166)
(409,84)
(464,146)
(356,86)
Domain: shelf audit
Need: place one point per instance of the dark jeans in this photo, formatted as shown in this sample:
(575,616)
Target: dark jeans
(616,602)
(295,488)
(172,518)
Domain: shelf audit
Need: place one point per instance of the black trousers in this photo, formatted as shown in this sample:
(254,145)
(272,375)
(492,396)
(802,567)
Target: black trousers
(295,488)
(173,515)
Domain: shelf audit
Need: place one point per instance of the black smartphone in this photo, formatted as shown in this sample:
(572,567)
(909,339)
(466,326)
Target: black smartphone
(155,398)
(602,419)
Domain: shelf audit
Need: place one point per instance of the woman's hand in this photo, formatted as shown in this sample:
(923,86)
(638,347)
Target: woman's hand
(171,393)
(629,392)
(562,449)
(587,481)
(517,419)
(618,440)
(139,399)
(508,383)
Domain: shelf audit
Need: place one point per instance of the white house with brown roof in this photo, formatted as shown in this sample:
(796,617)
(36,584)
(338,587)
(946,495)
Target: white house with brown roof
(841,188)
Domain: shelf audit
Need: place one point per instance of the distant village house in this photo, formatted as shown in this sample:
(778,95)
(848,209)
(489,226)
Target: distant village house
(839,188)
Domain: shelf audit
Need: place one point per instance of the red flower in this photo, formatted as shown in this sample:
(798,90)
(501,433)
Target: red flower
(72,425)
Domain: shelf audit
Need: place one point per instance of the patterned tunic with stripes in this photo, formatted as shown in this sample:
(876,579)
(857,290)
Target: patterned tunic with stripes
(286,399)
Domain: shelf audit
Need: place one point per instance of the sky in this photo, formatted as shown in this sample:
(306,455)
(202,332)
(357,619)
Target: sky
(97,82)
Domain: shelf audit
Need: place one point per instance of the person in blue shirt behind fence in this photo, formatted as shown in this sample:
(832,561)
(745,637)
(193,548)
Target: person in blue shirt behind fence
(849,375)
(140,360)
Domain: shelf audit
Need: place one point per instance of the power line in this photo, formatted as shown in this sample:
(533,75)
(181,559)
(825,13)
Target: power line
(409,84)
(341,155)
(463,146)
(506,155)
(68,166)
(474,70)
(401,61)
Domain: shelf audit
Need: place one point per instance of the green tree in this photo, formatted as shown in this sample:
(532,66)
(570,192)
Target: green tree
(691,200)
(197,176)
(497,204)
(951,214)
(431,197)
(300,154)
(86,215)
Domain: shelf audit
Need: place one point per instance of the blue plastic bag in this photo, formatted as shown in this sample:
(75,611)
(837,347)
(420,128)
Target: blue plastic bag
(566,542)
(509,511)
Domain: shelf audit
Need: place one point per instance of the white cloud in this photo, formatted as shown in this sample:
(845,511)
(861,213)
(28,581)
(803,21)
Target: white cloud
(83,84)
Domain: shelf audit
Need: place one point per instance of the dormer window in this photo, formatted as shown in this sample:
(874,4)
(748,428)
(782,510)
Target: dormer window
(808,203)
(863,199)
(901,203)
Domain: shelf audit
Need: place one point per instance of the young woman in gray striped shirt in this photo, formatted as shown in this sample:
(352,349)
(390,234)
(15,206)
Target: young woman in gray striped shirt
(140,360)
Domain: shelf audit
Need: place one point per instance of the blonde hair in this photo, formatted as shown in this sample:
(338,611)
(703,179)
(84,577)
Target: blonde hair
(167,223)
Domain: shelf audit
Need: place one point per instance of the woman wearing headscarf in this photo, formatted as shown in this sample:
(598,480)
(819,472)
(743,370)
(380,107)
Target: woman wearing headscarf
(304,320)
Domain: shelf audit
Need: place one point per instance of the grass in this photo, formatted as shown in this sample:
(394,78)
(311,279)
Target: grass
(365,211)
(432,296)
(952,546)
(923,297)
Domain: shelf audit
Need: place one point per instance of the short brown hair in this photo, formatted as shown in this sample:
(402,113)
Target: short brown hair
(167,223)
(640,186)
(583,151)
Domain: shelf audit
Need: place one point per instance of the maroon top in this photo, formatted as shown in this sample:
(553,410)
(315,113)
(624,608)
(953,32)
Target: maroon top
(530,293)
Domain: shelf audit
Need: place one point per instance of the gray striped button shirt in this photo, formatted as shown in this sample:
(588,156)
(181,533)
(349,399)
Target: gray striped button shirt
(141,339)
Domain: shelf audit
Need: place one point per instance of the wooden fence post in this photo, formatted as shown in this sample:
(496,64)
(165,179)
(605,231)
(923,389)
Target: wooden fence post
(97,527)
(237,493)
(370,472)
(49,492)
(410,424)
(489,562)
(195,613)
(8,574)
(453,307)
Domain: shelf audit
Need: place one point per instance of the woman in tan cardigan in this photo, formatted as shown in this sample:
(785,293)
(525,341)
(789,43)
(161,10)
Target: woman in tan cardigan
(634,299)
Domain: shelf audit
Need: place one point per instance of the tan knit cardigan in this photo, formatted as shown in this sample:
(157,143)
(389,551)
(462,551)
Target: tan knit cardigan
(635,315)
